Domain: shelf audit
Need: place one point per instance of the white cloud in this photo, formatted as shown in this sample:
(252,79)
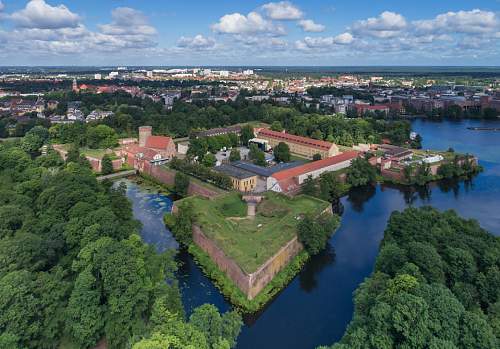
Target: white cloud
(39,14)
(282,10)
(237,23)
(198,42)
(308,25)
(465,22)
(128,21)
(2,6)
(324,42)
(386,25)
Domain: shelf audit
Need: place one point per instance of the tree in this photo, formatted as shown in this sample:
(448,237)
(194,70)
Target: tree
(246,134)
(281,152)
(314,233)
(101,136)
(234,155)
(257,155)
(209,160)
(181,183)
(276,126)
(330,187)
(106,165)
(316,157)
(182,225)
(215,327)
(361,172)
(309,186)
(34,139)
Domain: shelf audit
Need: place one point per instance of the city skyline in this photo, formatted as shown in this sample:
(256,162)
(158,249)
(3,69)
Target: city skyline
(342,33)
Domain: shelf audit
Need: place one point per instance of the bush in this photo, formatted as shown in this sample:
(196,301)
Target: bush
(106,165)
(181,184)
(314,233)
(202,172)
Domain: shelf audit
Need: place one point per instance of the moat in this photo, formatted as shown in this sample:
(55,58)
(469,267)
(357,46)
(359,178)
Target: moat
(317,305)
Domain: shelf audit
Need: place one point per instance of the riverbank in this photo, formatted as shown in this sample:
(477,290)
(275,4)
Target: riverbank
(251,249)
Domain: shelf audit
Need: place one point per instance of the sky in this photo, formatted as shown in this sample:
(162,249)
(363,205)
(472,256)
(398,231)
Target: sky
(250,33)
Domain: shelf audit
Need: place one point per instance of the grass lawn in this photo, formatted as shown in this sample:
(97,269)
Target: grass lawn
(200,182)
(250,242)
(96,153)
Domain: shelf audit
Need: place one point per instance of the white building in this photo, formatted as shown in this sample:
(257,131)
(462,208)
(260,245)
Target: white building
(97,76)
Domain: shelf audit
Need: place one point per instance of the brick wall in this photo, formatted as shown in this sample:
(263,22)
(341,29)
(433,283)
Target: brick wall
(249,284)
(168,177)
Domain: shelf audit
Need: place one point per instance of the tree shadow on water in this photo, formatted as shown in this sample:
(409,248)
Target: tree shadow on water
(358,196)
(308,276)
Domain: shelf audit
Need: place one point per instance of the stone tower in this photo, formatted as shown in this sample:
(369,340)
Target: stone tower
(144,133)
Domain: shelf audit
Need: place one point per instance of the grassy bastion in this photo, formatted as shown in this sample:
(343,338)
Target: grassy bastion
(250,258)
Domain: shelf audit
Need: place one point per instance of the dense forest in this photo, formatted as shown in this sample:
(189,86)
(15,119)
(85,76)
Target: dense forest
(132,112)
(73,269)
(436,285)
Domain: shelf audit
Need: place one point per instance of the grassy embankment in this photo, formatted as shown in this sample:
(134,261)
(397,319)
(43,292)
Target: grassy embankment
(250,242)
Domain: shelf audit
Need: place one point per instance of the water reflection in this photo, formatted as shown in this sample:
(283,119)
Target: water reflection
(308,276)
(357,197)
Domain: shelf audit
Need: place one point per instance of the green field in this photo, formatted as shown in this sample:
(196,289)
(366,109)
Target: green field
(95,153)
(250,242)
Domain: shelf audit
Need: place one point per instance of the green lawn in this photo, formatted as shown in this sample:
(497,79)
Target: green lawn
(250,242)
(96,153)
(199,181)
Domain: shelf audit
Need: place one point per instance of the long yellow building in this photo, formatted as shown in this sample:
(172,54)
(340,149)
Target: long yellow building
(301,146)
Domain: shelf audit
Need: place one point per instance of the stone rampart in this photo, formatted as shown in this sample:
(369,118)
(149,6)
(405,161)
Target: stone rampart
(249,284)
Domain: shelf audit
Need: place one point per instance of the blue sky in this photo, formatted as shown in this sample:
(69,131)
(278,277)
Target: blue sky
(224,32)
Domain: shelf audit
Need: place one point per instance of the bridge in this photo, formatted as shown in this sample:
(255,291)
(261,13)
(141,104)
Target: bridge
(117,175)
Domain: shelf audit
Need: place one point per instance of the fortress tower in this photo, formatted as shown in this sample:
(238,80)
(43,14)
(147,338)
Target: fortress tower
(144,133)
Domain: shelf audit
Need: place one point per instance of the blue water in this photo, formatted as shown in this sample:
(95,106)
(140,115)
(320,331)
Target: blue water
(317,305)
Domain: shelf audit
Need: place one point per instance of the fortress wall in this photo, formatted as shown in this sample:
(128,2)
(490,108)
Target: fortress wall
(250,284)
(168,177)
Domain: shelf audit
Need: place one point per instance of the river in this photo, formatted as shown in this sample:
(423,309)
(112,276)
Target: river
(317,305)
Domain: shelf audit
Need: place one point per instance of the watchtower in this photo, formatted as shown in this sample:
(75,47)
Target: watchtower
(144,133)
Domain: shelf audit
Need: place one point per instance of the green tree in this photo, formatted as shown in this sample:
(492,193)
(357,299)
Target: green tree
(181,183)
(309,186)
(361,172)
(34,139)
(316,157)
(276,126)
(246,134)
(182,225)
(257,155)
(209,160)
(282,152)
(314,233)
(234,155)
(106,165)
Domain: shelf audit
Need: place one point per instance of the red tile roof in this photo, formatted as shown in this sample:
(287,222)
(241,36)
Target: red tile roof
(315,165)
(287,137)
(158,142)
(148,154)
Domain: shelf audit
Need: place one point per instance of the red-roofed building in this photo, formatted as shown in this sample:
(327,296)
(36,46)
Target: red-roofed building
(289,181)
(298,145)
(153,149)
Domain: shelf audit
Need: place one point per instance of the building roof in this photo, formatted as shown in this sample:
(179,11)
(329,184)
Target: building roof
(315,165)
(136,150)
(266,171)
(218,131)
(158,142)
(287,137)
(234,172)
(394,150)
